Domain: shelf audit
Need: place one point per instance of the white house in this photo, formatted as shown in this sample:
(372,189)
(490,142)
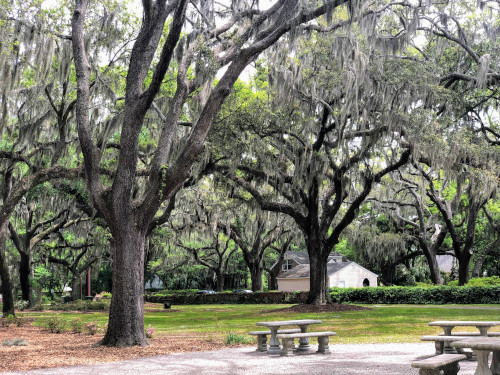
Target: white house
(342,273)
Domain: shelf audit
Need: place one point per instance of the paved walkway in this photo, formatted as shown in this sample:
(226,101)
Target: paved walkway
(348,359)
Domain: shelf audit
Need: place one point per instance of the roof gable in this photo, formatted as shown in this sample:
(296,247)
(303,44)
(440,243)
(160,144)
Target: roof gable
(303,270)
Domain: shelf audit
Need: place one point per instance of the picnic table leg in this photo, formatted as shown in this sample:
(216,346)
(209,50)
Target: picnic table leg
(323,345)
(482,362)
(274,343)
(446,345)
(304,341)
(261,343)
(495,363)
(286,347)
(483,331)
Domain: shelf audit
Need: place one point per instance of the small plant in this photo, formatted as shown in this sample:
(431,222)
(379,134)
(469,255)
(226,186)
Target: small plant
(15,342)
(76,325)
(150,331)
(21,305)
(37,307)
(91,328)
(233,339)
(102,329)
(55,324)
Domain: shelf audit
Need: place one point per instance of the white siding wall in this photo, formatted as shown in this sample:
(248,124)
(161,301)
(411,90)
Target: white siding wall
(291,285)
(353,277)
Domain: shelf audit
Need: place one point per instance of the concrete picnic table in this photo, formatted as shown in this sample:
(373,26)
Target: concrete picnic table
(447,325)
(481,347)
(274,344)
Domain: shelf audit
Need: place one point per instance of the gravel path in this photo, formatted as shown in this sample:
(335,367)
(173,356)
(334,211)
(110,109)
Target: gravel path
(346,359)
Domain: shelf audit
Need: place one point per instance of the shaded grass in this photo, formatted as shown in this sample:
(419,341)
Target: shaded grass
(382,324)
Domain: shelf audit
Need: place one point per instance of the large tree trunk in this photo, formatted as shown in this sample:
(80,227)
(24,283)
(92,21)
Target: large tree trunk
(256,276)
(273,280)
(24,276)
(478,266)
(8,300)
(126,314)
(317,275)
(430,255)
(75,287)
(434,269)
(220,280)
(463,267)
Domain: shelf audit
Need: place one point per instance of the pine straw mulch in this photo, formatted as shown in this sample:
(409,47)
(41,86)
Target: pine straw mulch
(47,349)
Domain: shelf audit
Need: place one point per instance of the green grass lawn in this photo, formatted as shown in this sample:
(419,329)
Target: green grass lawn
(382,324)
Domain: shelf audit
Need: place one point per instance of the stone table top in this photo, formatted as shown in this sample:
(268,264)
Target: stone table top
(456,323)
(478,343)
(279,323)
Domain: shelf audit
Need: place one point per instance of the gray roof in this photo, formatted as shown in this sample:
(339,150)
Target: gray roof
(301,257)
(303,271)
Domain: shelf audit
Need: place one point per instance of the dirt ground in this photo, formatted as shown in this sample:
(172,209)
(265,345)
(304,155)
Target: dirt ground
(47,349)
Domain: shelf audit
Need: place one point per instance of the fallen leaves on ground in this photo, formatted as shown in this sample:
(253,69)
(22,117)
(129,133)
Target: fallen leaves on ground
(47,349)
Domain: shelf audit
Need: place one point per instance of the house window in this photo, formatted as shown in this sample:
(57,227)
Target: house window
(342,284)
(287,265)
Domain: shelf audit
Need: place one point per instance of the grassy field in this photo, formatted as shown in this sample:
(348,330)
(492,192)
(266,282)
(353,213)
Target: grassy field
(382,324)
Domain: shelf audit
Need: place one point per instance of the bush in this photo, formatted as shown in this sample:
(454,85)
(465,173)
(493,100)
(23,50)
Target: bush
(21,305)
(417,295)
(483,281)
(233,339)
(37,307)
(76,325)
(150,331)
(55,324)
(81,305)
(94,327)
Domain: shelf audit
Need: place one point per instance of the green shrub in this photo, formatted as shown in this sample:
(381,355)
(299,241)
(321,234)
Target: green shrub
(81,305)
(483,281)
(76,325)
(233,339)
(106,296)
(21,305)
(417,295)
(37,307)
(55,324)
(94,327)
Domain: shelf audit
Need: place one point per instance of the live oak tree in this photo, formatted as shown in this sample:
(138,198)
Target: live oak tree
(410,215)
(35,228)
(209,44)
(31,151)
(337,129)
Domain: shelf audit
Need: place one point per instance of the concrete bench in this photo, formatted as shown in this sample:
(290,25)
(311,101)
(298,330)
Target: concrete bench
(439,342)
(448,363)
(474,334)
(323,341)
(262,337)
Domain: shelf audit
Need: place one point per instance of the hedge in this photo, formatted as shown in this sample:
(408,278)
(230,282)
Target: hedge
(229,298)
(434,295)
(417,295)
